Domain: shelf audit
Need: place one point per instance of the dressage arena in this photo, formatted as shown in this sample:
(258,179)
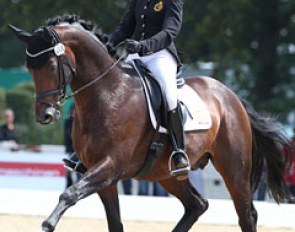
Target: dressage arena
(32,223)
(24,211)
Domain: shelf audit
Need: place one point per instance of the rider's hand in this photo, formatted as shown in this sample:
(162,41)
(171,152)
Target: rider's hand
(133,46)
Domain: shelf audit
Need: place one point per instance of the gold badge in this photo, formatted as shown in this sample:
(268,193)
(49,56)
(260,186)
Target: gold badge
(159,6)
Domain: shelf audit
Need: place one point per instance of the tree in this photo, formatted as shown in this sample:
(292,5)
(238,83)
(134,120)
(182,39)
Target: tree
(30,14)
(251,44)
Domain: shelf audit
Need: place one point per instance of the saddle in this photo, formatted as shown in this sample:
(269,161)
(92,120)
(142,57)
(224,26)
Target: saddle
(154,91)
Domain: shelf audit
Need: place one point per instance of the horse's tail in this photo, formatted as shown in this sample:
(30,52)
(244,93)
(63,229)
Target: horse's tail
(268,143)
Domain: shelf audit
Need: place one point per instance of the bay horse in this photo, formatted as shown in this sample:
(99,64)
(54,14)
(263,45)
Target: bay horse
(112,131)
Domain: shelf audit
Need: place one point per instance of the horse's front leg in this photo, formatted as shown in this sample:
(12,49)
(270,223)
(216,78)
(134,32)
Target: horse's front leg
(110,200)
(96,179)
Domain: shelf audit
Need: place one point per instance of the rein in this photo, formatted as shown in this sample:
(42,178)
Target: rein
(59,51)
(104,73)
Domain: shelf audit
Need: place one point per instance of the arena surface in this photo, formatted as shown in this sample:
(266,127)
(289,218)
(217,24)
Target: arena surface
(18,223)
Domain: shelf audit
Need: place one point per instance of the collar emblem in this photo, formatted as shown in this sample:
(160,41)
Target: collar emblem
(159,6)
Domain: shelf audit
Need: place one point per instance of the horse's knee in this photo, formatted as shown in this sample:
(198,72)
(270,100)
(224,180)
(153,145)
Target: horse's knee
(69,197)
(197,208)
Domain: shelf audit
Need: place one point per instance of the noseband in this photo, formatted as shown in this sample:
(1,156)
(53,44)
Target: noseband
(59,51)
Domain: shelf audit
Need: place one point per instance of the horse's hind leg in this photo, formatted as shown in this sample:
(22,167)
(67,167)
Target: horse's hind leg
(233,162)
(192,201)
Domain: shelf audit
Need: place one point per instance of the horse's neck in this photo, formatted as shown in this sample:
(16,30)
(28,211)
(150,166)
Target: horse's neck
(107,94)
(91,60)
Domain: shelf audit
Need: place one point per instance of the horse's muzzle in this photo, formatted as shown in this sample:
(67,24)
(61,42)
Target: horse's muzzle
(51,115)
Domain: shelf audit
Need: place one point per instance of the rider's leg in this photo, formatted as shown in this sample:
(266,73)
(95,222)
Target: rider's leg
(164,66)
(176,133)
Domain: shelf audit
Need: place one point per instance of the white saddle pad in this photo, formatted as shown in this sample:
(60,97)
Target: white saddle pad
(198,116)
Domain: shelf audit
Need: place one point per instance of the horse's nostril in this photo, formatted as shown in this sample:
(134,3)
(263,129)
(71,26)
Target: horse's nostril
(51,115)
(48,118)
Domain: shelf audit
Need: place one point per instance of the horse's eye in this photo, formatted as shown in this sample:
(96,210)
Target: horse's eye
(52,68)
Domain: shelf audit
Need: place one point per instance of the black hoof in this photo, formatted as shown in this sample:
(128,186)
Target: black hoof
(46,227)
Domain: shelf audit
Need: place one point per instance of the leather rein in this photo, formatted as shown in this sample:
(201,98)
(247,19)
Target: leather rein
(59,51)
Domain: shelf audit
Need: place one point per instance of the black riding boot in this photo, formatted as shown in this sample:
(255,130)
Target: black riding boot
(178,155)
(73,164)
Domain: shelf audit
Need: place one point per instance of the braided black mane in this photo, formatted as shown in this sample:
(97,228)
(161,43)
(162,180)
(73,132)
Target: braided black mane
(86,24)
(39,42)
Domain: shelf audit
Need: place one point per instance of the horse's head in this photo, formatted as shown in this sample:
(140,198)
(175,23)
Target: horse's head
(51,70)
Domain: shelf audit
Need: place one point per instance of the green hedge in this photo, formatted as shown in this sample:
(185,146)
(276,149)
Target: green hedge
(21,100)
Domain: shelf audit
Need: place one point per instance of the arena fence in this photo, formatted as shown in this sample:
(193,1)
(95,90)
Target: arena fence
(141,208)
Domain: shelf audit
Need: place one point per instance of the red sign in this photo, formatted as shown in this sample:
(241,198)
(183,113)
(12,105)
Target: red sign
(31,169)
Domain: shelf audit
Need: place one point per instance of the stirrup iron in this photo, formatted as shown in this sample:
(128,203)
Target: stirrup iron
(178,171)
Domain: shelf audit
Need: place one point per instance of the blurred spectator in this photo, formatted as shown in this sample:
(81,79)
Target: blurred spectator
(196,180)
(260,193)
(157,189)
(71,177)
(127,186)
(143,188)
(262,186)
(8,131)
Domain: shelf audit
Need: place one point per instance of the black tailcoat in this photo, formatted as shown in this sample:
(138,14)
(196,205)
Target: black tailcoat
(155,23)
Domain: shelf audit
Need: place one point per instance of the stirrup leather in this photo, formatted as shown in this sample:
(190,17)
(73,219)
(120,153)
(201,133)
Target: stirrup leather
(178,171)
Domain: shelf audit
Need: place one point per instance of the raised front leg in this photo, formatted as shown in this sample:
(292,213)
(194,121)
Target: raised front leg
(110,200)
(96,179)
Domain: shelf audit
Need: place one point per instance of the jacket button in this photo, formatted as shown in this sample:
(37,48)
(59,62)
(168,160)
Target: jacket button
(143,25)
(145,7)
(142,16)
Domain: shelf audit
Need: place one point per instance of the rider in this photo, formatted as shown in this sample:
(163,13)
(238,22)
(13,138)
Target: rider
(153,26)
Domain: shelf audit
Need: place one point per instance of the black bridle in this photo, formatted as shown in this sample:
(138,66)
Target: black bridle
(59,51)
(62,60)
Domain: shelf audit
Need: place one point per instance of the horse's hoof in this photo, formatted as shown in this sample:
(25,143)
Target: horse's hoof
(47,227)
(46,230)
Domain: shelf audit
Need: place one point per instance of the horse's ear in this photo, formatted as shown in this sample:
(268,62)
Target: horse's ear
(47,36)
(22,35)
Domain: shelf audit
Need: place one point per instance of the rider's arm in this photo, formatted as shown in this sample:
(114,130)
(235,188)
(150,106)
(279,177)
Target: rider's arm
(126,26)
(171,27)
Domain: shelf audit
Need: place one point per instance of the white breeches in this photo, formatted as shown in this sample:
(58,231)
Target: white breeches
(164,66)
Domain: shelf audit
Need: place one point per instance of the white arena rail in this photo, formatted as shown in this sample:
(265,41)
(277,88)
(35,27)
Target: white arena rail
(139,208)
(30,184)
